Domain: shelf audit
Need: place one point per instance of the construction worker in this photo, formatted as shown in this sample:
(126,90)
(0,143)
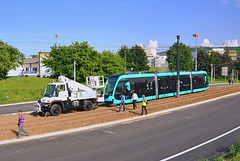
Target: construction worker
(144,104)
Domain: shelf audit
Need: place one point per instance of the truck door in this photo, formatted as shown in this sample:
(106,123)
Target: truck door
(63,93)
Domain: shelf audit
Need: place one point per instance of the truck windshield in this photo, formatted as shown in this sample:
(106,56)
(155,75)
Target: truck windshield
(109,86)
(49,90)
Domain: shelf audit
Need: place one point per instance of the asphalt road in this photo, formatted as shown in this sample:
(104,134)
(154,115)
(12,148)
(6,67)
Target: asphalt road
(15,108)
(147,139)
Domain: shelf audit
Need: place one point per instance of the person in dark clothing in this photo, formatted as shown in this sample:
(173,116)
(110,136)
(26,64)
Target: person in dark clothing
(229,81)
(101,93)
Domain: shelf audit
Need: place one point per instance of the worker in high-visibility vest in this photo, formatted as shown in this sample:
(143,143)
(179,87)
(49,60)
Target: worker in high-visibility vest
(144,104)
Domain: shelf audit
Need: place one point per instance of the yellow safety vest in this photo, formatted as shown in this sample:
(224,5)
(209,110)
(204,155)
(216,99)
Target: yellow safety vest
(144,103)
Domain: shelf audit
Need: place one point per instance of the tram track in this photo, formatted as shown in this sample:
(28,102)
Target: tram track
(39,125)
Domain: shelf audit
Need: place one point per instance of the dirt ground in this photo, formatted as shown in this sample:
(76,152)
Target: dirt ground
(38,125)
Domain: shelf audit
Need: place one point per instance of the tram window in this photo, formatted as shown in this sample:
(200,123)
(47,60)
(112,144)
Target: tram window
(199,81)
(122,88)
(132,85)
(184,83)
(147,86)
(162,86)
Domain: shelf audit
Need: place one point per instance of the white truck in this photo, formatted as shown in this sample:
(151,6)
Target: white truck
(67,94)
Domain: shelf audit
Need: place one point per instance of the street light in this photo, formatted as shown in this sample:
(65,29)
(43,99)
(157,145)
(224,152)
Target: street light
(196,35)
(56,38)
(125,58)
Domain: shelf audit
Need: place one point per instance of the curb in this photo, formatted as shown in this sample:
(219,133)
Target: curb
(110,123)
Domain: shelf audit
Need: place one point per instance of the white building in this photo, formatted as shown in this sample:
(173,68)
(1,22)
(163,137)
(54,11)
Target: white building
(155,60)
(31,65)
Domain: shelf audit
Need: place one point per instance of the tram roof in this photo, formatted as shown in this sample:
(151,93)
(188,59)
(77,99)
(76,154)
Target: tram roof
(135,75)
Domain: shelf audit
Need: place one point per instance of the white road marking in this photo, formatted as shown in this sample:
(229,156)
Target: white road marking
(111,123)
(199,145)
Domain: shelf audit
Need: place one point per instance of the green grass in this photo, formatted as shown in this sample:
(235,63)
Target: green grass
(154,69)
(22,89)
(233,154)
(222,80)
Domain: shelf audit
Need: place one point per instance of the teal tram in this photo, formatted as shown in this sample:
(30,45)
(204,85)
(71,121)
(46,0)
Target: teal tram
(153,85)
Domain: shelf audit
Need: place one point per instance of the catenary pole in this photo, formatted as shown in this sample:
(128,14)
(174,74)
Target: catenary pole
(178,65)
(211,72)
(195,35)
(214,72)
(74,63)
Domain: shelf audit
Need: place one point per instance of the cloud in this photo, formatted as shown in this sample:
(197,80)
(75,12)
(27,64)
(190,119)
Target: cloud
(235,3)
(206,43)
(232,43)
(153,44)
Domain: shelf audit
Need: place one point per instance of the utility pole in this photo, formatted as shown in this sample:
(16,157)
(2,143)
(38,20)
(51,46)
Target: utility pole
(196,35)
(237,76)
(211,72)
(125,58)
(178,65)
(74,63)
(56,38)
(214,72)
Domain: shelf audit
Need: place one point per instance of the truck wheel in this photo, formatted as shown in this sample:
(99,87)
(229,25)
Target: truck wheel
(47,114)
(88,105)
(55,110)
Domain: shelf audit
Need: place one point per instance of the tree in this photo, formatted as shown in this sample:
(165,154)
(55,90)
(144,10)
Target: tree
(88,61)
(111,64)
(202,57)
(227,61)
(136,58)
(237,64)
(215,59)
(10,58)
(186,59)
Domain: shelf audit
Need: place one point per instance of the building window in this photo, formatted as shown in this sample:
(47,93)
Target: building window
(34,69)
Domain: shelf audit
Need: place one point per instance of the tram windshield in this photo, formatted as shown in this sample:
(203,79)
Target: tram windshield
(109,86)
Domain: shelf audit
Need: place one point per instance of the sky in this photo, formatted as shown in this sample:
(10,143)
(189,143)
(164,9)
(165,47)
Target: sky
(31,26)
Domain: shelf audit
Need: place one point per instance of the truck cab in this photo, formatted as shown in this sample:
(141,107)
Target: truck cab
(55,91)
(67,95)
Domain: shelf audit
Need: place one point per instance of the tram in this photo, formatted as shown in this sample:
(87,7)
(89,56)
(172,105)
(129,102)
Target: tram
(153,85)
